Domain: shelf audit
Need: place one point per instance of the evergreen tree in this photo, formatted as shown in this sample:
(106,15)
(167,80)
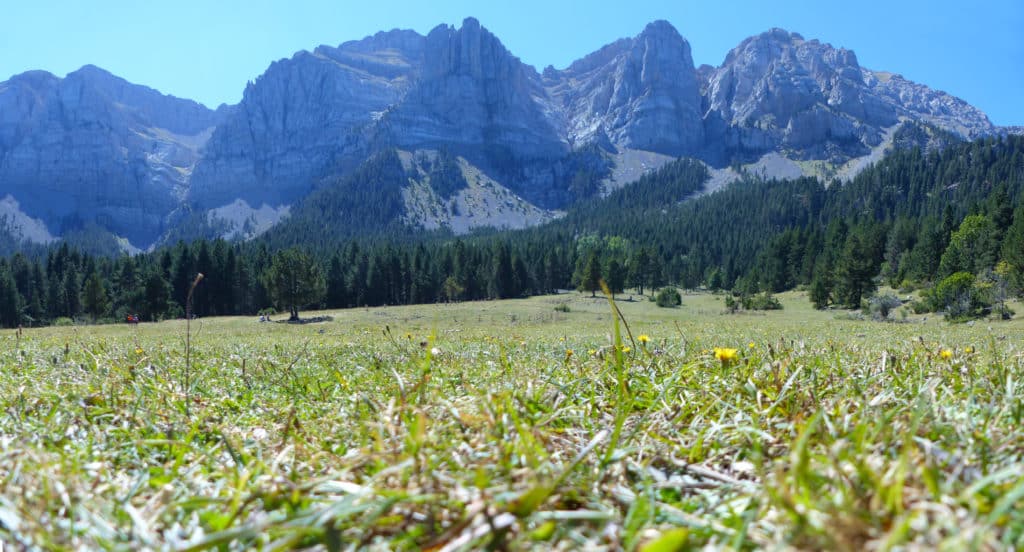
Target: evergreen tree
(616,277)
(639,269)
(70,293)
(184,273)
(820,294)
(501,284)
(1013,251)
(591,279)
(156,295)
(94,296)
(294,280)
(337,284)
(10,301)
(854,272)
(973,247)
(522,282)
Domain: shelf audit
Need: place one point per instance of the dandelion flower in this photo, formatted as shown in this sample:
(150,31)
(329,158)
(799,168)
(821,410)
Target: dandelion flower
(626,349)
(643,338)
(945,354)
(751,345)
(568,354)
(968,349)
(725,355)
(138,350)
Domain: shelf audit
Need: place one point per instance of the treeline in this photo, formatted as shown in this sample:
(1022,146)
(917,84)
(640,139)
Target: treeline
(916,219)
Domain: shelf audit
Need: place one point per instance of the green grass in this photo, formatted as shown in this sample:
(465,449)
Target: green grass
(473,425)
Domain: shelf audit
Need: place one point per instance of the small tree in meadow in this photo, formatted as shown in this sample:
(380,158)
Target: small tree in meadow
(616,277)
(591,279)
(294,280)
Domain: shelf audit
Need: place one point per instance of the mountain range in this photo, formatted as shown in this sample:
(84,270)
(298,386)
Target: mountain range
(483,139)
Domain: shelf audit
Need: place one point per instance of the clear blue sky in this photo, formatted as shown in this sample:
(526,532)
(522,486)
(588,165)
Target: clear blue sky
(208,49)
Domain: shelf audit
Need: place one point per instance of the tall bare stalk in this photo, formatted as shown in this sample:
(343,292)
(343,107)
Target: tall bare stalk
(188,347)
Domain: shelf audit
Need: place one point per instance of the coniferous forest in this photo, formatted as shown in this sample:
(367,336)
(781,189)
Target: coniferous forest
(949,222)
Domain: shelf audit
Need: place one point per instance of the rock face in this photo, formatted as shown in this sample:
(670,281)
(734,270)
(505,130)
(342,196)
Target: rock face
(460,89)
(777,91)
(301,115)
(639,93)
(93,148)
(473,95)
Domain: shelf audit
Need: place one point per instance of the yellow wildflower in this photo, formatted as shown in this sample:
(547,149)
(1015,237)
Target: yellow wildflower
(945,354)
(626,349)
(568,354)
(968,349)
(138,350)
(725,355)
(643,338)
(751,345)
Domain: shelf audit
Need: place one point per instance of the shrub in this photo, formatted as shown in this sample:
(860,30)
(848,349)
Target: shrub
(919,307)
(562,307)
(63,321)
(758,301)
(881,305)
(668,297)
(1003,312)
(761,301)
(731,304)
(960,297)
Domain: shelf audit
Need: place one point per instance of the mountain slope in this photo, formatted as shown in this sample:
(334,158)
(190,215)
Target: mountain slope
(93,148)
(804,103)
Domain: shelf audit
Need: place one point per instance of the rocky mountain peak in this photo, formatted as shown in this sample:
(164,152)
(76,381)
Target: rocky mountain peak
(640,93)
(659,28)
(95,148)
(474,96)
(147,106)
(470,51)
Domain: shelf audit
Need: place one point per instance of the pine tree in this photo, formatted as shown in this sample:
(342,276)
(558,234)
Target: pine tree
(1013,251)
(616,277)
(501,285)
(854,272)
(294,280)
(820,294)
(10,301)
(70,293)
(156,295)
(94,296)
(337,289)
(639,269)
(591,278)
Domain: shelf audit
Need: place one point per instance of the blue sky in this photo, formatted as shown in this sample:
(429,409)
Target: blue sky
(208,49)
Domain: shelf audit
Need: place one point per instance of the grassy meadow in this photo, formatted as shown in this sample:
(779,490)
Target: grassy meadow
(513,425)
